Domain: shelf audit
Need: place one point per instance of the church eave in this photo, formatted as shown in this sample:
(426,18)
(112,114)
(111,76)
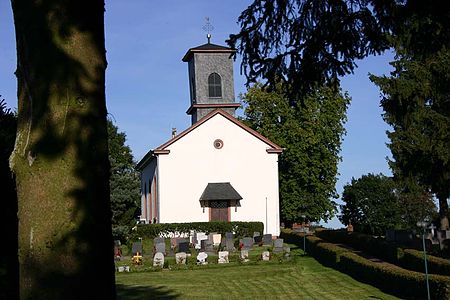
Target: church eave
(193,107)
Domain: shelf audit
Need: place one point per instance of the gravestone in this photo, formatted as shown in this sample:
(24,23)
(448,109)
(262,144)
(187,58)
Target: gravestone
(209,246)
(278,245)
(257,239)
(265,256)
(183,247)
(267,240)
(229,245)
(244,256)
(158,260)
(229,235)
(216,239)
(247,243)
(256,233)
(199,237)
(136,247)
(160,247)
(158,240)
(223,257)
(123,269)
(203,245)
(180,258)
(202,258)
(287,252)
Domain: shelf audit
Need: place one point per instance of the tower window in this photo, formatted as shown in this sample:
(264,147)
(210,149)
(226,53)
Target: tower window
(214,85)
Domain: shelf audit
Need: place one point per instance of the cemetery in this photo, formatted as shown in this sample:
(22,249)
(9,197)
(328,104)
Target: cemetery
(198,249)
(214,265)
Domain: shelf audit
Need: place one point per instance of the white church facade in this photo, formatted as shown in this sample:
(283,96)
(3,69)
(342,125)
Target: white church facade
(218,169)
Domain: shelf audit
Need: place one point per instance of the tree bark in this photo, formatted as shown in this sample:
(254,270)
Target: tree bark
(60,157)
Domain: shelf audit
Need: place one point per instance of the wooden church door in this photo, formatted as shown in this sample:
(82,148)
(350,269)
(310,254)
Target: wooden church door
(219,211)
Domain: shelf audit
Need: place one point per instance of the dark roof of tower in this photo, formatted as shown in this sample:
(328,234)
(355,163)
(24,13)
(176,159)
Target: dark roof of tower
(208,47)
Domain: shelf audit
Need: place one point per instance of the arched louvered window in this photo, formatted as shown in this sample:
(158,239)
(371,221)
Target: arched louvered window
(215,85)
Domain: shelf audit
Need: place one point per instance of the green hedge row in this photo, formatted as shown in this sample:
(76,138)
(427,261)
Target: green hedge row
(413,260)
(393,279)
(387,277)
(410,259)
(240,229)
(376,246)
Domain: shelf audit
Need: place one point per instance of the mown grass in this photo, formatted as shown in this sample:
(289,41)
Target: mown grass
(300,278)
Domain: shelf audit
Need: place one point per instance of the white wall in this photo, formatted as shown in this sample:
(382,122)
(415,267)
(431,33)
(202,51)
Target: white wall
(193,162)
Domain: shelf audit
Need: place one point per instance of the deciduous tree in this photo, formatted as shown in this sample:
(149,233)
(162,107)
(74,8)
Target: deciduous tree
(312,136)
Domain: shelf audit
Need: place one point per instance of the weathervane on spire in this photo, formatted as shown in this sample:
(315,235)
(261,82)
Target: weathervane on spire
(208,28)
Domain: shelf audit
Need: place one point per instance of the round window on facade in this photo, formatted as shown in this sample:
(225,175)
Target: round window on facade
(218,144)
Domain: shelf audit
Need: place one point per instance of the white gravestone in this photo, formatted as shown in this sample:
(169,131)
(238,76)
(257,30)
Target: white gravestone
(180,258)
(158,260)
(265,256)
(223,257)
(201,258)
(199,237)
(244,255)
(216,239)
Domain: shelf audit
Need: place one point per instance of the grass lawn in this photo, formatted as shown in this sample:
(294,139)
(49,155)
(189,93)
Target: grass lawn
(300,278)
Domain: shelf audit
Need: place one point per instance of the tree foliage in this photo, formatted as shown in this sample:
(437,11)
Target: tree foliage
(375,203)
(124,183)
(416,103)
(8,202)
(307,42)
(311,136)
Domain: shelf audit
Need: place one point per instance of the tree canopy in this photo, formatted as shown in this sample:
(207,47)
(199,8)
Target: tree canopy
(307,42)
(375,203)
(124,183)
(311,136)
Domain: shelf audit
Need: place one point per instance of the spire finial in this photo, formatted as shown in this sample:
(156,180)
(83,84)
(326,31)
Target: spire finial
(208,28)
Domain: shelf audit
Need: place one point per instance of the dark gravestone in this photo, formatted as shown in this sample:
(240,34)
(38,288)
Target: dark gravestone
(390,235)
(229,235)
(257,239)
(160,247)
(203,245)
(158,240)
(267,240)
(209,246)
(247,243)
(183,247)
(136,247)
(278,245)
(229,245)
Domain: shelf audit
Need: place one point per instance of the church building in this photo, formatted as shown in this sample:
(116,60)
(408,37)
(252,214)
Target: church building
(218,169)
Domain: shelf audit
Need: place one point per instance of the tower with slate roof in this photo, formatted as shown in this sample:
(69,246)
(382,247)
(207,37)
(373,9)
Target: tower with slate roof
(211,83)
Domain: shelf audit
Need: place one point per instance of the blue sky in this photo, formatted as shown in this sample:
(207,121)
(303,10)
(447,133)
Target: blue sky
(147,83)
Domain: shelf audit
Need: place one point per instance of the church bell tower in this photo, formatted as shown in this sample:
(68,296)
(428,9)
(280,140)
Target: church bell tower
(211,81)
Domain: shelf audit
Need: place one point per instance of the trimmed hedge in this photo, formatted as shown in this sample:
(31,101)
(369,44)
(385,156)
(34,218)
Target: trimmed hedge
(375,246)
(410,259)
(413,260)
(393,279)
(240,229)
(390,278)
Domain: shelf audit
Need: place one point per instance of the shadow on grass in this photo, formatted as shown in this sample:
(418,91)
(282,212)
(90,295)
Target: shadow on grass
(125,292)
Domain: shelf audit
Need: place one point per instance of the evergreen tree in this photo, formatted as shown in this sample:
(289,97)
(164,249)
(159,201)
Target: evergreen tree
(311,136)
(416,103)
(124,183)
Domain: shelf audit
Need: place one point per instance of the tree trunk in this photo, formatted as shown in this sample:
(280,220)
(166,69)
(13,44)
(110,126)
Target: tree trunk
(61,154)
(443,211)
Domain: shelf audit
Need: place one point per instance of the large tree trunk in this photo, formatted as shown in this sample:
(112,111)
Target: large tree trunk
(61,154)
